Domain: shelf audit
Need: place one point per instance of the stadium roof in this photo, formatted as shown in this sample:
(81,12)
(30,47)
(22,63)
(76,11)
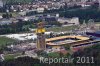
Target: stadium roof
(64,37)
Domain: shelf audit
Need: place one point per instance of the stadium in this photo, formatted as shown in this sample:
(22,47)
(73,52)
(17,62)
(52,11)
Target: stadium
(62,40)
(76,42)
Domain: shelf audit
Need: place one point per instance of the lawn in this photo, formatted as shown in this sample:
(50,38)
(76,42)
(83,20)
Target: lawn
(4,41)
(58,29)
(11,56)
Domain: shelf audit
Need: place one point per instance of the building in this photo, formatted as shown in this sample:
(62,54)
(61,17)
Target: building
(40,10)
(73,41)
(99,3)
(5,21)
(69,21)
(41,44)
(95,34)
(50,19)
(1,3)
(63,40)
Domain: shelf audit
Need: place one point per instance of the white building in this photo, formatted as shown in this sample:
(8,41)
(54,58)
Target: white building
(40,10)
(1,3)
(69,21)
(75,20)
(99,3)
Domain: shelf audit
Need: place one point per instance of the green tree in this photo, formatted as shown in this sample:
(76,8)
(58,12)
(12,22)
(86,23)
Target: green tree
(54,54)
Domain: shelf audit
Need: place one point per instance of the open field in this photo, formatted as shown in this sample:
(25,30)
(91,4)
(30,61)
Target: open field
(4,41)
(11,56)
(58,29)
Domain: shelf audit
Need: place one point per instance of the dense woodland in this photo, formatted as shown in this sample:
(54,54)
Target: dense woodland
(15,27)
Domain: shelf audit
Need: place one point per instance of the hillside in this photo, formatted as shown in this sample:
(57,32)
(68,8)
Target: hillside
(93,51)
(17,1)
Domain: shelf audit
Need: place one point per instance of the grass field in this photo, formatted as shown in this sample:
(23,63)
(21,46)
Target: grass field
(4,41)
(11,56)
(58,29)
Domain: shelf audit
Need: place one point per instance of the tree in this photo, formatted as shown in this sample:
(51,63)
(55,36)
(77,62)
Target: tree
(95,5)
(54,55)
(67,47)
